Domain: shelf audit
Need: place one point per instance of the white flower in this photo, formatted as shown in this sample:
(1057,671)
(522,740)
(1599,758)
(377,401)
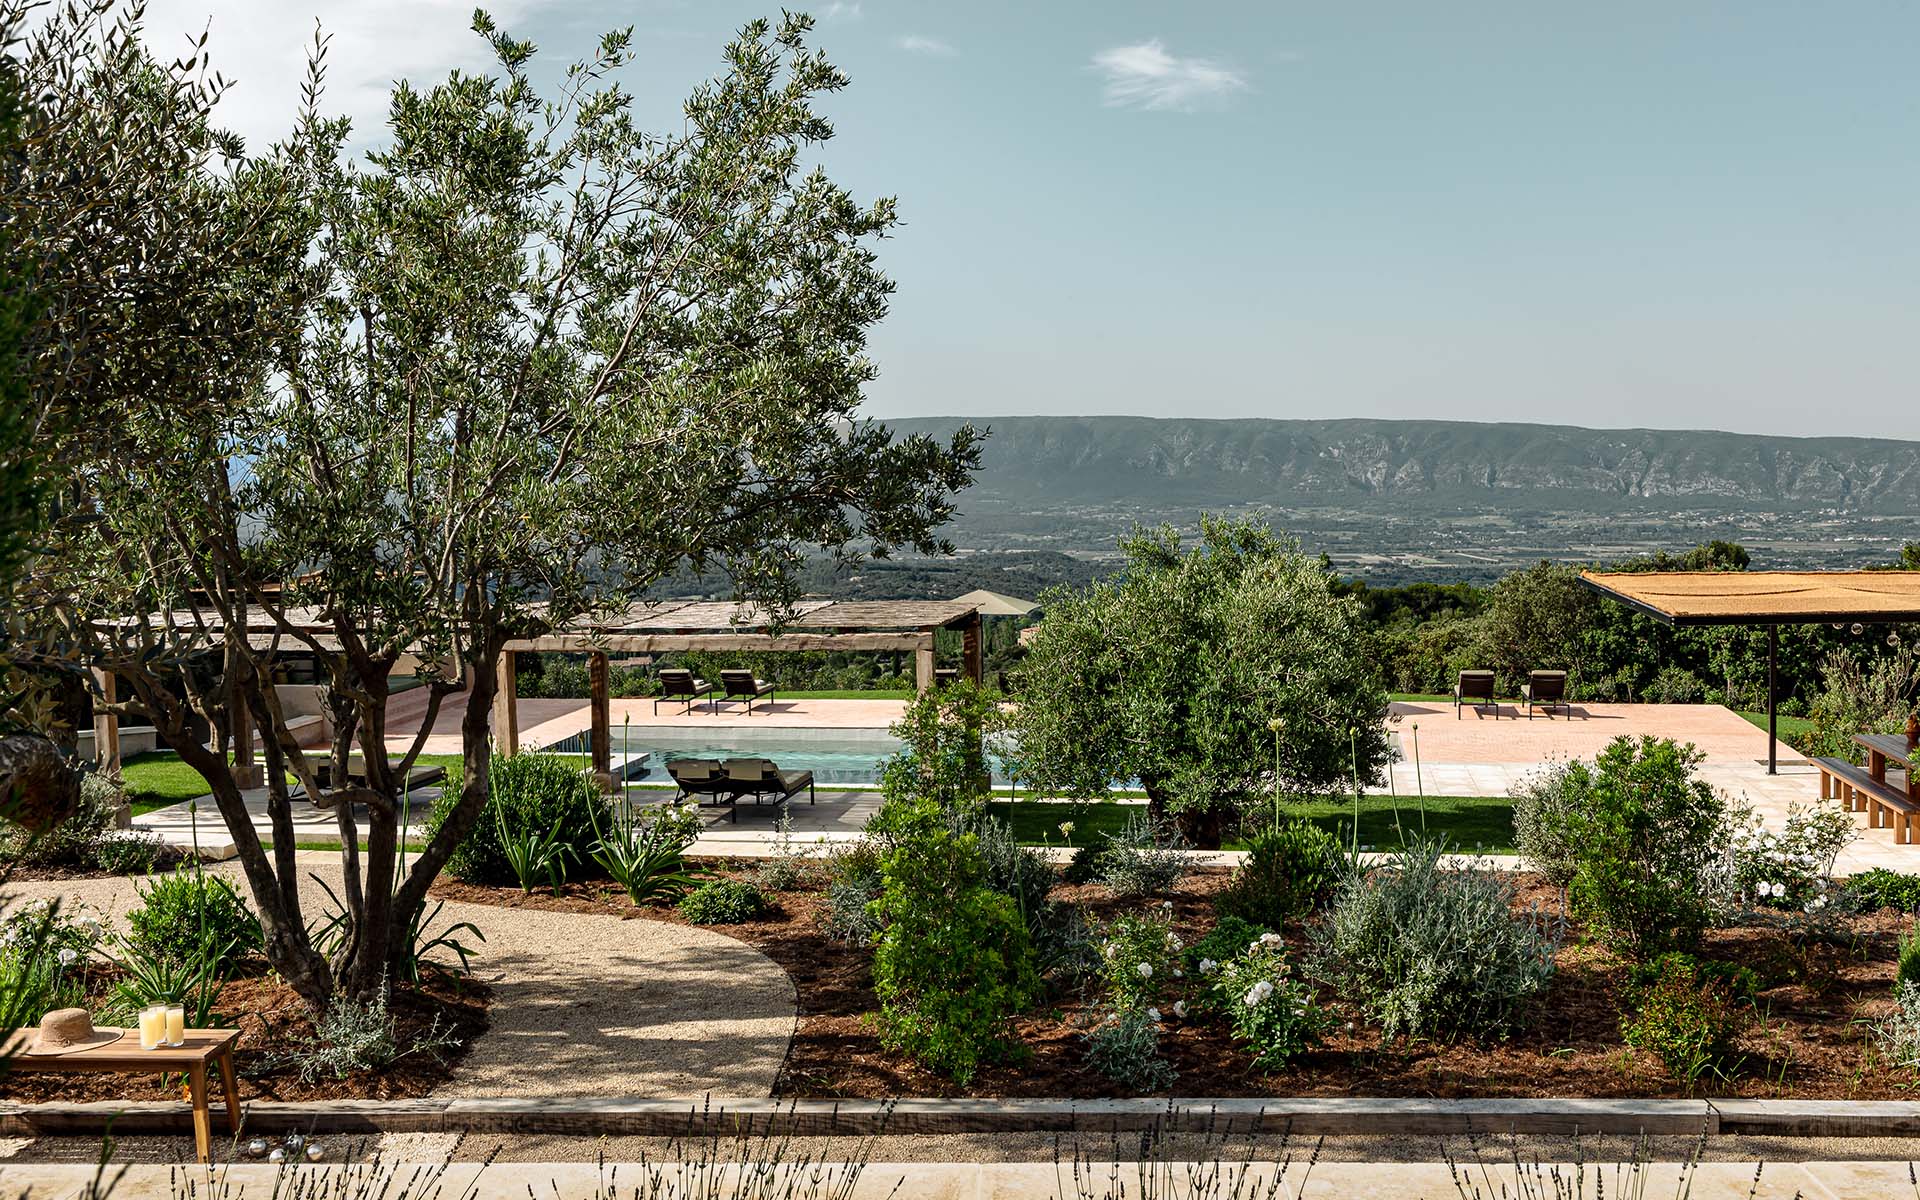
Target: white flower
(1180,1009)
(1179,974)
(1153,1014)
(1167,904)
(1145,970)
(1271,939)
(1208,966)
(68,956)
(1258,993)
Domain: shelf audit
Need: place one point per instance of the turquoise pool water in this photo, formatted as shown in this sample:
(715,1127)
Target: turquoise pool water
(853,761)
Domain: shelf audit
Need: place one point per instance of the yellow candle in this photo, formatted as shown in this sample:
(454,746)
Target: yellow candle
(176,1026)
(153,1027)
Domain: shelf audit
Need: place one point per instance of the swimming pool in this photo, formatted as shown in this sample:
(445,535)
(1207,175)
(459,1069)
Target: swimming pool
(837,757)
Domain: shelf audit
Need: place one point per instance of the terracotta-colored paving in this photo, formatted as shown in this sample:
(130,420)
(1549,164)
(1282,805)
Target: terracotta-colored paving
(1505,735)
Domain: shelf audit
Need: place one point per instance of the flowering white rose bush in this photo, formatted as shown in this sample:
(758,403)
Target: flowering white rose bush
(1792,868)
(1138,957)
(1267,1006)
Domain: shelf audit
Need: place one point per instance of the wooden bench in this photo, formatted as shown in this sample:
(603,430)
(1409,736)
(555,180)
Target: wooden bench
(201,1048)
(1886,806)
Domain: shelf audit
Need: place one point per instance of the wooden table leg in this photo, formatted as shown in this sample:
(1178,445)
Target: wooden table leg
(202,1120)
(231,1087)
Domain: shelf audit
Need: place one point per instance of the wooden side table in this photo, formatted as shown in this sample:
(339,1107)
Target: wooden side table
(124,1056)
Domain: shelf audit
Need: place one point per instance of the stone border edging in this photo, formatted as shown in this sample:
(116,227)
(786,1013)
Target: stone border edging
(854,1118)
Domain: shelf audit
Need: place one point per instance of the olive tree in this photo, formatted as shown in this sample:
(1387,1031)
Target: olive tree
(1173,671)
(543,358)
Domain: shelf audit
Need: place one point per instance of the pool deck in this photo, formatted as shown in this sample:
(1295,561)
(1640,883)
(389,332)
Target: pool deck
(1474,753)
(544,722)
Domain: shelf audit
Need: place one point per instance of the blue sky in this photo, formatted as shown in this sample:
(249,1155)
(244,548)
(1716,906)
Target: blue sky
(1638,214)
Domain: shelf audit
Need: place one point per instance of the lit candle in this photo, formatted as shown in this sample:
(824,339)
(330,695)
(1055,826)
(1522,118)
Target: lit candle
(153,1027)
(176,1026)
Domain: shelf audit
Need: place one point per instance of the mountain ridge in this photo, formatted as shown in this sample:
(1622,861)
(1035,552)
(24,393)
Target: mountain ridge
(1237,461)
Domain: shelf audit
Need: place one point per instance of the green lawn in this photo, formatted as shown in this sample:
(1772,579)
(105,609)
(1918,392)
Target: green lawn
(1470,823)
(877,694)
(1791,728)
(158,779)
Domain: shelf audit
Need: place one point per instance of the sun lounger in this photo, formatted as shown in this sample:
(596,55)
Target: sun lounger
(760,778)
(676,684)
(742,685)
(1475,688)
(700,779)
(1545,689)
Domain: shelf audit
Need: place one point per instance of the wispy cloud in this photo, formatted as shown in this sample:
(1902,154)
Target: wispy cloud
(915,43)
(840,10)
(262,45)
(1146,76)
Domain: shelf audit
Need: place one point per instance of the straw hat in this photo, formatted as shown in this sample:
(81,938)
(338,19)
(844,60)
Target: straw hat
(65,1030)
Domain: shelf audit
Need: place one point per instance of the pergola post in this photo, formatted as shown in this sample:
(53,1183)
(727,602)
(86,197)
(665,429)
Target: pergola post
(599,686)
(923,665)
(506,710)
(106,723)
(972,653)
(1773,698)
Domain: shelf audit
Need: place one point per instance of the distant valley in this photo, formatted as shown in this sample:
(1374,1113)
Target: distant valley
(1398,501)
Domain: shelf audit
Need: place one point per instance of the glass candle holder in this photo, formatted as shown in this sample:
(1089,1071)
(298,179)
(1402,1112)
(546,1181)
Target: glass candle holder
(176,1025)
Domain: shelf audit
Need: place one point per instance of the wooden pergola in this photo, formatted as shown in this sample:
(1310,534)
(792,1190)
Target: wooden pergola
(890,625)
(1687,599)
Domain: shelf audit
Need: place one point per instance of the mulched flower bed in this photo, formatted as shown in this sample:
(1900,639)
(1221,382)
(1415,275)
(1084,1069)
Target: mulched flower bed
(273,1022)
(1809,1039)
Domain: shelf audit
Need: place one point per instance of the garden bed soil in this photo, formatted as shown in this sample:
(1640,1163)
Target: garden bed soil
(1809,1039)
(273,1022)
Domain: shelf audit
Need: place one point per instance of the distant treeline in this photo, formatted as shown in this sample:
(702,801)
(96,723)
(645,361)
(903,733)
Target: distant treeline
(1543,618)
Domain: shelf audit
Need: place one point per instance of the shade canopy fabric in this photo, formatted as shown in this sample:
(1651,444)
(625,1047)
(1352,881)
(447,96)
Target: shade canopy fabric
(1764,597)
(994,604)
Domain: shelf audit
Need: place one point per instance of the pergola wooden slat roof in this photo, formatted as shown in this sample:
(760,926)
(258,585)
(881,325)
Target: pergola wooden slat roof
(1764,597)
(1769,598)
(670,626)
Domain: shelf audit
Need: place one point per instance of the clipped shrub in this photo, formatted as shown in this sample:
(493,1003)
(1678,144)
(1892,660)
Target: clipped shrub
(723,902)
(1871,891)
(128,852)
(1650,844)
(525,793)
(1909,959)
(1546,807)
(1269,1009)
(1085,865)
(1686,1012)
(74,841)
(1898,1035)
(953,962)
(187,914)
(1021,872)
(1144,858)
(1429,952)
(854,882)
(1290,870)
(1125,1048)
(1140,955)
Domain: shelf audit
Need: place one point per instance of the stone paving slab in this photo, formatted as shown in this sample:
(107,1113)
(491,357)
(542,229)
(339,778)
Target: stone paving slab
(1000,1181)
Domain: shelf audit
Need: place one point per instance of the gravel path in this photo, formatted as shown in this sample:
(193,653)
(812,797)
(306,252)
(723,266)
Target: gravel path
(586,1005)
